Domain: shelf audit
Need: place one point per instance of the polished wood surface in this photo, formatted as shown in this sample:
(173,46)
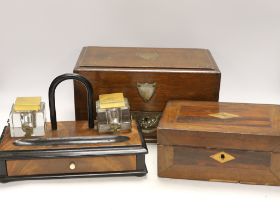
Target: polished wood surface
(169,86)
(178,73)
(71,165)
(191,123)
(190,132)
(71,128)
(136,57)
(195,163)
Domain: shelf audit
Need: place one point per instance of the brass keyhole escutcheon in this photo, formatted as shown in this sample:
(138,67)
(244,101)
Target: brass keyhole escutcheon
(72,166)
(222,157)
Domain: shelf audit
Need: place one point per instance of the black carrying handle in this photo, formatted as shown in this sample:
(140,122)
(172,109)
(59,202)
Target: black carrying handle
(88,87)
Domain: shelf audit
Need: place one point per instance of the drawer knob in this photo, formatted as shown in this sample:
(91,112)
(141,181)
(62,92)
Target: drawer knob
(72,166)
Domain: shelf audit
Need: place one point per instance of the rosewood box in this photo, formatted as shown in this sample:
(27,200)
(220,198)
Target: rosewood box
(148,77)
(213,141)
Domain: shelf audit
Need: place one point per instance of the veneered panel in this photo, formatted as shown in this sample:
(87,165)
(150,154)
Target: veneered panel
(196,163)
(71,165)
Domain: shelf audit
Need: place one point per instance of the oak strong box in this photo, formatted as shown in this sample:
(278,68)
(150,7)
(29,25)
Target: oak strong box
(148,78)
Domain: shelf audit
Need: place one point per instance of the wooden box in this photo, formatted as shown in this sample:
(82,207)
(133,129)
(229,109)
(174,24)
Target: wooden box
(220,142)
(68,161)
(148,77)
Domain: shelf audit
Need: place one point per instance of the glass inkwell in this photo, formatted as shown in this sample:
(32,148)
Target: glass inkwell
(27,117)
(113,113)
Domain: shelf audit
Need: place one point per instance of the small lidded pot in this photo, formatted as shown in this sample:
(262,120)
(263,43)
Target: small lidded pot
(113,113)
(27,117)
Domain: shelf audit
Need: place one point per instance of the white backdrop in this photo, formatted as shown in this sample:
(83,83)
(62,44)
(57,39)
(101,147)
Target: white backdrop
(42,39)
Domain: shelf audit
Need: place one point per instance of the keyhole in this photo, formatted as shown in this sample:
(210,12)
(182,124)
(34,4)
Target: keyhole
(222,156)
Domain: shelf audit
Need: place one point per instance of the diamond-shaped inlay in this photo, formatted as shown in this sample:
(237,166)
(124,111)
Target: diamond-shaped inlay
(223,115)
(222,157)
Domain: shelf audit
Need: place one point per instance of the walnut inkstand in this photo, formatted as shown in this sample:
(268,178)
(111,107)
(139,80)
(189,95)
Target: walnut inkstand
(72,149)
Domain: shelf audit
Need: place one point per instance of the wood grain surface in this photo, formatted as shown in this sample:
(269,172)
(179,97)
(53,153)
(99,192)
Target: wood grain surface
(178,73)
(190,123)
(71,128)
(136,57)
(62,165)
(190,132)
(195,163)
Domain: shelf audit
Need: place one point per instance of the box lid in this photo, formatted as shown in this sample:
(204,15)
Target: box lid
(156,58)
(221,125)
